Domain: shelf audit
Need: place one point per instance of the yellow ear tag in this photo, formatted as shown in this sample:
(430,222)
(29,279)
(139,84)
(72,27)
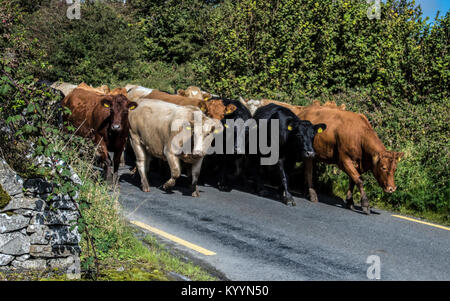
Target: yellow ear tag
(319,130)
(216,131)
(226,125)
(203,109)
(398,159)
(106,105)
(188,128)
(132,108)
(205,98)
(290,128)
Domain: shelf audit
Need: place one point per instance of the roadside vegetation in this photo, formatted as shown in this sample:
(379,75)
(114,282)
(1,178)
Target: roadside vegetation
(395,70)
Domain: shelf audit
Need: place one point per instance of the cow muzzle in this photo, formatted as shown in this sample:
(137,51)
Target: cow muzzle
(309,154)
(390,189)
(115,127)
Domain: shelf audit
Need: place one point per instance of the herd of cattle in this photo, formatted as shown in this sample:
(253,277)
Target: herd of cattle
(145,119)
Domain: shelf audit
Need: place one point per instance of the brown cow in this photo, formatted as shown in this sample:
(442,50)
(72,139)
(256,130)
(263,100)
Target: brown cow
(194,92)
(350,142)
(104,119)
(161,129)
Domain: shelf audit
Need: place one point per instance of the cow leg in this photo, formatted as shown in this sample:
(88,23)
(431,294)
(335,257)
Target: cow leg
(142,164)
(195,173)
(175,171)
(309,179)
(354,175)
(117,160)
(287,197)
(223,172)
(105,157)
(122,160)
(349,198)
(364,199)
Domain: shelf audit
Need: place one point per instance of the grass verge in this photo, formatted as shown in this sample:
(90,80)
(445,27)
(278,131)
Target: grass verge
(122,255)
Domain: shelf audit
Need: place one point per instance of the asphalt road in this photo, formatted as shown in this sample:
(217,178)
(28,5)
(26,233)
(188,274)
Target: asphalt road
(257,238)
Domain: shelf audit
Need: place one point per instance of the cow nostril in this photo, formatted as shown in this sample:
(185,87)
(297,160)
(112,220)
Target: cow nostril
(310,154)
(391,189)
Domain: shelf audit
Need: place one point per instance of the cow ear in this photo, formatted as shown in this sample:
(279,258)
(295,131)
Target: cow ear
(319,128)
(375,159)
(106,102)
(132,105)
(230,109)
(206,96)
(203,107)
(181,92)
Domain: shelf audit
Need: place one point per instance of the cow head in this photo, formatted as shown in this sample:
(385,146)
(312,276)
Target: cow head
(305,132)
(118,107)
(210,127)
(217,110)
(384,165)
(196,133)
(194,92)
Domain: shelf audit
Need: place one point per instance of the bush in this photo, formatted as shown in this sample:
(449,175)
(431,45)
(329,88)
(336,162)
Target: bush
(101,47)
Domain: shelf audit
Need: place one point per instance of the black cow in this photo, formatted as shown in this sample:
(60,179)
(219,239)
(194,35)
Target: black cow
(295,142)
(228,164)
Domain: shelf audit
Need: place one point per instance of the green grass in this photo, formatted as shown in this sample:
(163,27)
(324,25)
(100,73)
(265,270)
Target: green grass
(123,256)
(160,255)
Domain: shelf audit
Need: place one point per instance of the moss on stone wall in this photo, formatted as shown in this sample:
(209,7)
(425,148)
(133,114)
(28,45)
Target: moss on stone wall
(4,198)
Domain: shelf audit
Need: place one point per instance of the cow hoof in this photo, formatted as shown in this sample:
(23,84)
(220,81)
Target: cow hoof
(366,210)
(223,187)
(169,184)
(289,201)
(146,189)
(349,204)
(195,194)
(133,171)
(313,196)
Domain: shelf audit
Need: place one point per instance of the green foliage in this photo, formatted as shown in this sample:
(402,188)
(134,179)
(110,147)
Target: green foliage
(163,76)
(4,198)
(99,48)
(291,49)
(173,30)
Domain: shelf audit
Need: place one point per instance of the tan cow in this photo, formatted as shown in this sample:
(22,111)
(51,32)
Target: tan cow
(253,105)
(136,93)
(194,92)
(173,133)
(65,88)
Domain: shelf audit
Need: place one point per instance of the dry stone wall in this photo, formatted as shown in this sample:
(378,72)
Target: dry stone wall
(35,233)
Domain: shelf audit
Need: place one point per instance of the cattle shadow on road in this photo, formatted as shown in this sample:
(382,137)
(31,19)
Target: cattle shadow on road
(160,174)
(157,177)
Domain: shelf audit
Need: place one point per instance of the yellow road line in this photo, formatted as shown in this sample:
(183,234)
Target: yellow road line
(174,238)
(421,222)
